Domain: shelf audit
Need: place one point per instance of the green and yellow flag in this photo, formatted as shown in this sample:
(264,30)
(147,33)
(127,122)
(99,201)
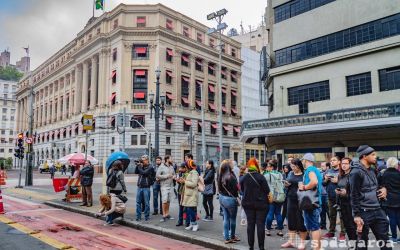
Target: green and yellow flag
(99,4)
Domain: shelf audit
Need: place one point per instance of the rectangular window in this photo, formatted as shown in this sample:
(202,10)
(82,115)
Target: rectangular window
(141,21)
(211,93)
(185,91)
(114,54)
(233,76)
(138,119)
(223,73)
(140,52)
(389,79)
(187,123)
(236,131)
(168,122)
(140,86)
(211,69)
(115,24)
(143,139)
(223,96)
(199,64)
(200,37)
(199,127)
(169,24)
(186,31)
(354,36)
(198,89)
(296,7)
(168,151)
(313,92)
(213,128)
(233,52)
(359,84)
(112,140)
(185,59)
(211,42)
(168,140)
(169,98)
(169,55)
(114,77)
(168,76)
(226,129)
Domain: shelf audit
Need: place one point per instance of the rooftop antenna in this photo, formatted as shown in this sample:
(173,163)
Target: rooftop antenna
(241,28)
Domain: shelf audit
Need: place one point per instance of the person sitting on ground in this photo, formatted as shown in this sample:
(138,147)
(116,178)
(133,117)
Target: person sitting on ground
(111,207)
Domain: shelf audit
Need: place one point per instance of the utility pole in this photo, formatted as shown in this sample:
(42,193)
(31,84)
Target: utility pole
(203,132)
(123,133)
(158,107)
(29,158)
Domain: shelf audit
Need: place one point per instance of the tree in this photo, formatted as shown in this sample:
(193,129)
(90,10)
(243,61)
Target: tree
(10,74)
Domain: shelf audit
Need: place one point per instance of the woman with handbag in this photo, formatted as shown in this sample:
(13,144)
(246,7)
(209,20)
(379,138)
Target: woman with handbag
(209,191)
(255,202)
(295,215)
(229,200)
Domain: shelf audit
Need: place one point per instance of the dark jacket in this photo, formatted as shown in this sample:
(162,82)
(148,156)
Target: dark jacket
(209,178)
(230,188)
(363,187)
(344,183)
(330,186)
(390,179)
(87,173)
(255,195)
(146,176)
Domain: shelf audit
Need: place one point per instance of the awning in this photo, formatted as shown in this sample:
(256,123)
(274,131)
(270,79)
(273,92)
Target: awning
(170,96)
(170,52)
(141,20)
(62,130)
(199,82)
(113,73)
(170,120)
(113,96)
(199,62)
(237,129)
(69,129)
(51,133)
(224,109)
(233,75)
(169,73)
(188,122)
(200,123)
(185,58)
(210,66)
(211,88)
(112,119)
(234,110)
(223,72)
(140,50)
(46,134)
(139,95)
(234,93)
(198,102)
(169,25)
(140,72)
(227,127)
(212,106)
(214,125)
(223,90)
(186,79)
(185,100)
(75,126)
(56,132)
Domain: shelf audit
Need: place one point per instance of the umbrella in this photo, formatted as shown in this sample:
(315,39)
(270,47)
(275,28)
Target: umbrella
(77,159)
(118,156)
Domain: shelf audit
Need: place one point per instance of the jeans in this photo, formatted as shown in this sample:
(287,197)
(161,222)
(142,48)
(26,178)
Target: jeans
(111,217)
(256,217)
(377,221)
(324,210)
(394,220)
(311,219)
(274,209)
(143,196)
(191,215)
(156,194)
(229,207)
(208,205)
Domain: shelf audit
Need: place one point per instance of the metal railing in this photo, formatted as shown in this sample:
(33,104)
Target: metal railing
(334,116)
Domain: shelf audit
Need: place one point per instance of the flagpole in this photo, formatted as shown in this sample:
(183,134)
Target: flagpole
(93,6)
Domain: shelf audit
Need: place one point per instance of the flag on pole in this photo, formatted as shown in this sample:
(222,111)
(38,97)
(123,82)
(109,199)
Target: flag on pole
(99,4)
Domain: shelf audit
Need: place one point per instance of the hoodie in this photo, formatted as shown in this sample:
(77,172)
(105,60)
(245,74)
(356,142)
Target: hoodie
(363,187)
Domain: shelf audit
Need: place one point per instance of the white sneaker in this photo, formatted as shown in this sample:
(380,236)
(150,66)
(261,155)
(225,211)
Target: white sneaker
(190,227)
(196,228)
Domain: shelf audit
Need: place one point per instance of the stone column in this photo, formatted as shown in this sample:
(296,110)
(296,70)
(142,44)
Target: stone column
(104,74)
(71,101)
(78,89)
(59,112)
(85,87)
(93,83)
(64,109)
(43,112)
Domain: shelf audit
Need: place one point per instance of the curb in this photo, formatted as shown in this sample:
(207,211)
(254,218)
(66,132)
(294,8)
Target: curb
(169,233)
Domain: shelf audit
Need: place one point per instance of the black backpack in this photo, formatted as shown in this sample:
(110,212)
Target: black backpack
(112,179)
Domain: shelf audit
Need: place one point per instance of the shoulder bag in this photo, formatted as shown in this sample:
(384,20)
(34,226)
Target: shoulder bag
(238,200)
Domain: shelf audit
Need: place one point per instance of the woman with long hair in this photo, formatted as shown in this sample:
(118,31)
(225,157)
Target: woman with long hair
(295,215)
(229,192)
(191,195)
(209,190)
(111,207)
(255,202)
(117,167)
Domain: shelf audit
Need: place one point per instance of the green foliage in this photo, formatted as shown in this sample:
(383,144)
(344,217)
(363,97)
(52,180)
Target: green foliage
(7,163)
(10,74)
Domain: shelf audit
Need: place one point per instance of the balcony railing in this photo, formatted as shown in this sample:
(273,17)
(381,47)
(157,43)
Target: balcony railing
(335,116)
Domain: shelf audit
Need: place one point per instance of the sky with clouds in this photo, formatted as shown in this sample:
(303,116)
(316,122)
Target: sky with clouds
(48,25)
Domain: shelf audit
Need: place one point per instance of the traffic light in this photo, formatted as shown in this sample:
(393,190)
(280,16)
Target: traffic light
(19,150)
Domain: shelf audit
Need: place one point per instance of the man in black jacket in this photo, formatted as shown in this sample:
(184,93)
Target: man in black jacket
(364,197)
(145,180)
(86,175)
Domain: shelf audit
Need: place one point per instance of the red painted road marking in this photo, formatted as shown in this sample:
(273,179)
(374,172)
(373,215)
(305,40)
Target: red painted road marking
(83,232)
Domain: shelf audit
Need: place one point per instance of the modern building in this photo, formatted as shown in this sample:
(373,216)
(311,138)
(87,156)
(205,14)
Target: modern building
(110,66)
(8,118)
(253,39)
(335,78)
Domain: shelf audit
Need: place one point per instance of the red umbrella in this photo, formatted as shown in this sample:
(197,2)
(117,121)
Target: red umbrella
(77,159)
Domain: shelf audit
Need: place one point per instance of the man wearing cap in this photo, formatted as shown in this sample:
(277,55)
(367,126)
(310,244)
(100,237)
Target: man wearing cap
(312,180)
(145,180)
(165,174)
(364,197)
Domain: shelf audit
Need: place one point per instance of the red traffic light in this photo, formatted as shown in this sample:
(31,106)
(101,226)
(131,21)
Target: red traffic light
(20,136)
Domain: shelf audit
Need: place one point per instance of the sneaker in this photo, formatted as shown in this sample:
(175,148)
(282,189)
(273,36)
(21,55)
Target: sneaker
(138,219)
(108,224)
(195,228)
(342,237)
(190,227)
(267,232)
(235,239)
(301,246)
(228,241)
(329,235)
(287,245)
(280,233)
(179,224)
(170,218)
(163,219)
(155,213)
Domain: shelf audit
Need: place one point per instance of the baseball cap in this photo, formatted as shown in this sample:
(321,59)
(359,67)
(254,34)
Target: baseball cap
(308,157)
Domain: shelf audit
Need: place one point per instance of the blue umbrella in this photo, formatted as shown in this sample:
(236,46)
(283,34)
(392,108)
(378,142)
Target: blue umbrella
(118,156)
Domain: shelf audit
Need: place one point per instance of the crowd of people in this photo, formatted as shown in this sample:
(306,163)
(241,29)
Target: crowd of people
(300,195)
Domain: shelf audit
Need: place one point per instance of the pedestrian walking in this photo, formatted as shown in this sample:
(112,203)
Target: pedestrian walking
(312,180)
(255,202)
(111,207)
(324,196)
(277,194)
(52,169)
(165,175)
(343,204)
(295,216)
(209,190)
(228,198)
(63,170)
(117,173)
(331,180)
(365,197)
(86,175)
(145,174)
(157,188)
(191,195)
(182,173)
(390,179)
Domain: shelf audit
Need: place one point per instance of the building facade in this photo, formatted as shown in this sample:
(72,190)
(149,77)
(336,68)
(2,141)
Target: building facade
(8,108)
(111,65)
(334,83)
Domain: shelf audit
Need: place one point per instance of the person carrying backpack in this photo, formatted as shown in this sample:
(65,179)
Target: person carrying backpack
(276,197)
(116,179)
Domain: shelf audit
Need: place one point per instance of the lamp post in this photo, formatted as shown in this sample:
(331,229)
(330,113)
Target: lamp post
(158,106)
(218,16)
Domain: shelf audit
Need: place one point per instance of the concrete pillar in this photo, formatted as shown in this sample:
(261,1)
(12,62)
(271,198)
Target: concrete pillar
(102,78)
(65,96)
(85,87)
(78,89)
(93,83)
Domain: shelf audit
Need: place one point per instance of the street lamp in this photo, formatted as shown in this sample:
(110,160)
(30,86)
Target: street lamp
(158,105)
(218,16)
